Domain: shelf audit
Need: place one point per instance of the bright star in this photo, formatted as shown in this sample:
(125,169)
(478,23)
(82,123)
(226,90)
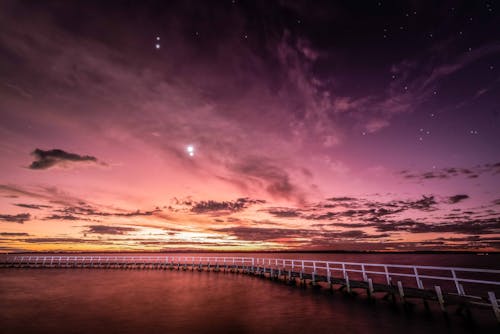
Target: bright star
(190,150)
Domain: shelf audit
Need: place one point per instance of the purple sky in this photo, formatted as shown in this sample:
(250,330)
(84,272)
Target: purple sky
(243,125)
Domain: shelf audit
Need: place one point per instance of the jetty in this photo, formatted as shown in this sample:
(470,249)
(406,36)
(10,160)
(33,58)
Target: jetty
(460,288)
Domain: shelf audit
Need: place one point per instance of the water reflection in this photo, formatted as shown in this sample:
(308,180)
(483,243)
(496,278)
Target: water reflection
(134,301)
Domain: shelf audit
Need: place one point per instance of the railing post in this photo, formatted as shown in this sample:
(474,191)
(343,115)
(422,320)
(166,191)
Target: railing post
(457,285)
(364,273)
(387,277)
(419,282)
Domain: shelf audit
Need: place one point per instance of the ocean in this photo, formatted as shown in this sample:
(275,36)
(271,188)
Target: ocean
(164,301)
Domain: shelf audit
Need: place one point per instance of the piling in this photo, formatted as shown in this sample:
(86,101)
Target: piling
(494,304)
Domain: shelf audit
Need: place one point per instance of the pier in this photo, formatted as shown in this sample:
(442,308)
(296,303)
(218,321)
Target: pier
(448,287)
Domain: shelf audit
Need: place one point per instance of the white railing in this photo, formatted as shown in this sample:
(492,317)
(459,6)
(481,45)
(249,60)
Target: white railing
(412,276)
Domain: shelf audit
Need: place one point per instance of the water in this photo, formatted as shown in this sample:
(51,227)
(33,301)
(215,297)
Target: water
(140,301)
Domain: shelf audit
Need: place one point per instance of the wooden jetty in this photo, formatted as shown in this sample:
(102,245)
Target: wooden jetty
(463,288)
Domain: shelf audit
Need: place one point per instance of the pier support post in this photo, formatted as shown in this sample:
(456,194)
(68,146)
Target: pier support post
(401,292)
(347,283)
(494,304)
(370,288)
(439,295)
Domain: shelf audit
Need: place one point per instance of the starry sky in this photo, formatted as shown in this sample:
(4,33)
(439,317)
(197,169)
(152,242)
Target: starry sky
(249,125)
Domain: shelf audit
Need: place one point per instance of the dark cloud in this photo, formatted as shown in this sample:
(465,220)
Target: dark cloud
(458,198)
(446,173)
(13,234)
(223,206)
(32,206)
(63,217)
(19,218)
(87,210)
(263,173)
(341,199)
(61,240)
(50,158)
(106,229)
(477,226)
(284,212)
(424,204)
(270,234)
(265,234)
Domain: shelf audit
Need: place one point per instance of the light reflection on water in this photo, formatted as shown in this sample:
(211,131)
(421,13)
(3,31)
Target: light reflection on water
(134,301)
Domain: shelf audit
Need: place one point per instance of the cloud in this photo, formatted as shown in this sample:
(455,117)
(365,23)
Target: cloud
(476,226)
(211,206)
(458,198)
(341,199)
(13,234)
(265,234)
(19,218)
(105,229)
(424,204)
(315,237)
(450,172)
(51,158)
(33,206)
(63,217)
(284,212)
(263,173)
(88,210)
(61,240)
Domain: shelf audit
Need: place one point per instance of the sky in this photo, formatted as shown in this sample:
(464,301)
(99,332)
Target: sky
(249,125)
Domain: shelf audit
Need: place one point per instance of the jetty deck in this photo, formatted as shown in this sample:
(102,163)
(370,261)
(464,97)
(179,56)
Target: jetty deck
(462,288)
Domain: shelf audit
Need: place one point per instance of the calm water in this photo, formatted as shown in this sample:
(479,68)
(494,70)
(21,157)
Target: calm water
(133,301)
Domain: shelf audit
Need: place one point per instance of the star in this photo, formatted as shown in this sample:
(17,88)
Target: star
(190,150)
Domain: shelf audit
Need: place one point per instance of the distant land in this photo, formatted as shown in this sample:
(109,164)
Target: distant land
(267,252)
